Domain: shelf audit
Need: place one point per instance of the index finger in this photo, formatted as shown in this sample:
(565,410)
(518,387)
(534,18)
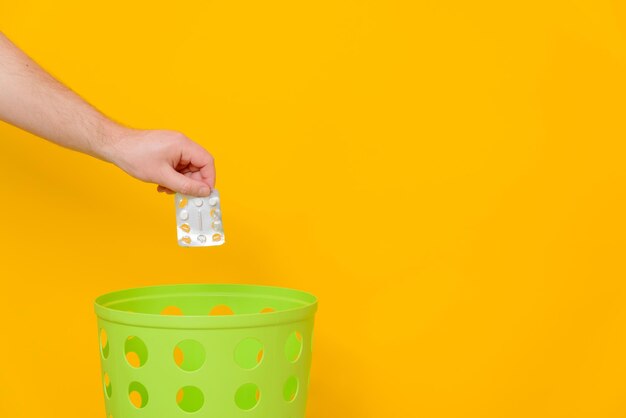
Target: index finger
(208,173)
(201,159)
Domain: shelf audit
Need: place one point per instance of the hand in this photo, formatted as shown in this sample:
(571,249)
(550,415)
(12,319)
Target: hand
(167,158)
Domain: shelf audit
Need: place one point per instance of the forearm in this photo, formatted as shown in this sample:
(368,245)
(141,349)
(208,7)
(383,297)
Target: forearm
(33,100)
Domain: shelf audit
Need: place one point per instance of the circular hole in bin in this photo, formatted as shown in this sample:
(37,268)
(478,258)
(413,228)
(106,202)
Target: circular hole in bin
(219,310)
(268,310)
(136,351)
(247,396)
(104,343)
(138,395)
(290,389)
(293,346)
(190,399)
(189,355)
(172,310)
(249,353)
(108,388)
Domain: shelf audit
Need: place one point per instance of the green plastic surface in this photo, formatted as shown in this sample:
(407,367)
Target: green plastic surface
(206,351)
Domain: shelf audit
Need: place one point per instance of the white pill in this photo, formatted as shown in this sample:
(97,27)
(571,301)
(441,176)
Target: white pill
(184,215)
(198,202)
(213,201)
(202,238)
(217,225)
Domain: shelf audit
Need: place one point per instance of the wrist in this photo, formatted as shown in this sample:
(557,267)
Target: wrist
(111,142)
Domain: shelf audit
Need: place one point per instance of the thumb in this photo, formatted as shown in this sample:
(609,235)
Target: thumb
(178,182)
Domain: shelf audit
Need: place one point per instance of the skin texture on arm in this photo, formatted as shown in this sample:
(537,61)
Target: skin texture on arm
(33,100)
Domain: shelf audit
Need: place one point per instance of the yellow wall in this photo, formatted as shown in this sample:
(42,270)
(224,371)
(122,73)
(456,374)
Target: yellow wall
(447,176)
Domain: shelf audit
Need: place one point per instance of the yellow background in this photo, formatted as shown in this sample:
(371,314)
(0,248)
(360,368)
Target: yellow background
(447,176)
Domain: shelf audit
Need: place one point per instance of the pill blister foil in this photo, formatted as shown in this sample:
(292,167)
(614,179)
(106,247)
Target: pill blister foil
(199,220)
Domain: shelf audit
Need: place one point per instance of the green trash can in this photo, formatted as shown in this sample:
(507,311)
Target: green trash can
(206,351)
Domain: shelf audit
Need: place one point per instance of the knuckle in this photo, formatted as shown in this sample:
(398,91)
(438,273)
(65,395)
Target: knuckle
(179,136)
(186,188)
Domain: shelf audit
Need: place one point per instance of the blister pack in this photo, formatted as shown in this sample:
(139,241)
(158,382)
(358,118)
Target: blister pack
(199,220)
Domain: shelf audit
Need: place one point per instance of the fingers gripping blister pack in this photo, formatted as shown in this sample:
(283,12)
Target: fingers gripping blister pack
(199,220)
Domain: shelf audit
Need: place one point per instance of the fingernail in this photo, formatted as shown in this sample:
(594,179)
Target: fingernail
(205,191)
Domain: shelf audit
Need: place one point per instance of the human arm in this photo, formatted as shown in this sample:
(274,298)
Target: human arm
(33,100)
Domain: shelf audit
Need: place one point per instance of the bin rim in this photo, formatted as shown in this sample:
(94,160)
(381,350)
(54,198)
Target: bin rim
(307,309)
